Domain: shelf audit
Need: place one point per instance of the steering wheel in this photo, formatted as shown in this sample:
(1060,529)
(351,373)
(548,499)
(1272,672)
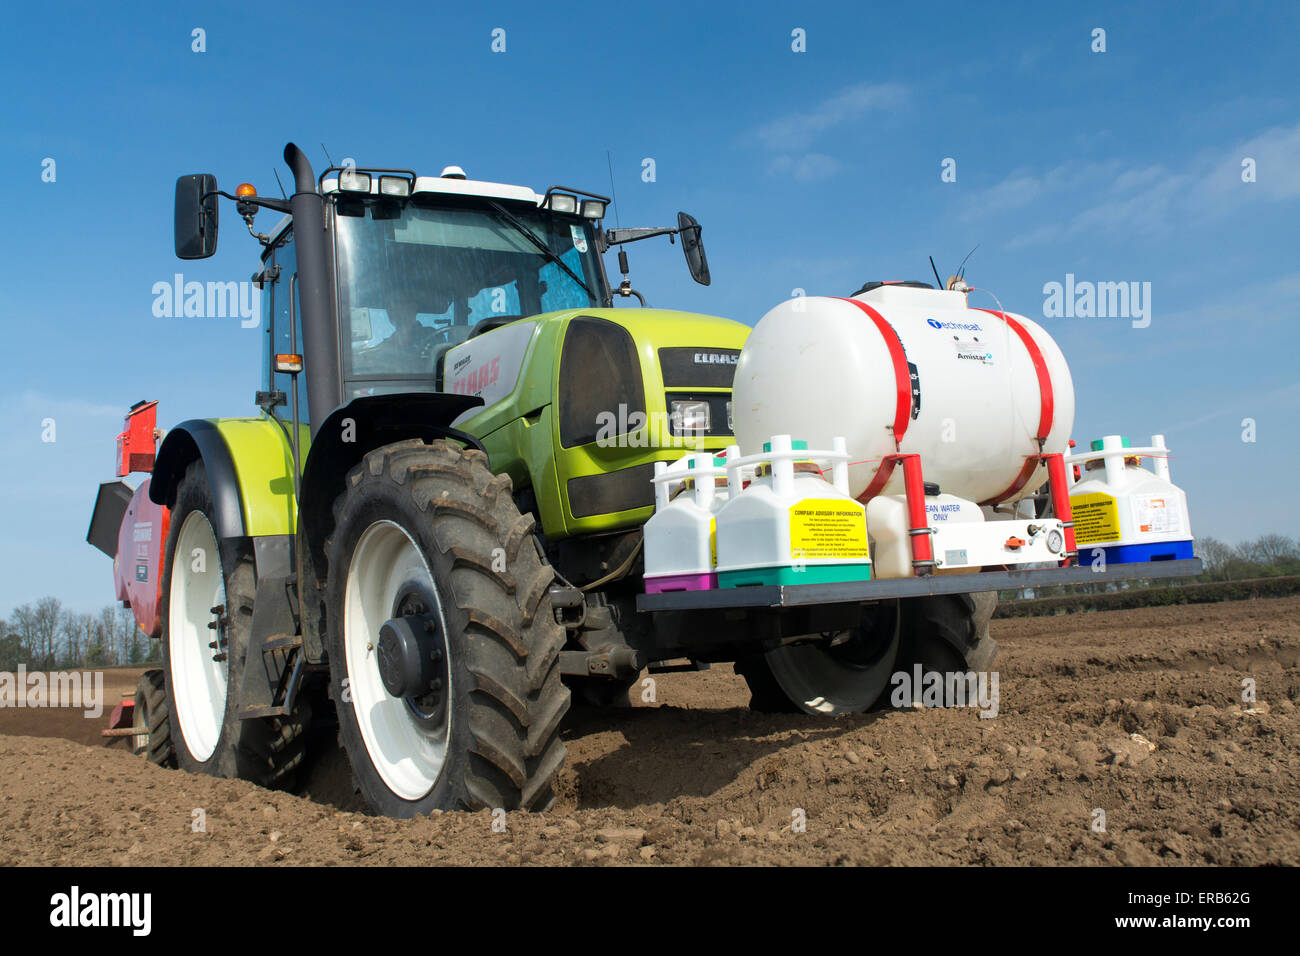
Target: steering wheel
(433,339)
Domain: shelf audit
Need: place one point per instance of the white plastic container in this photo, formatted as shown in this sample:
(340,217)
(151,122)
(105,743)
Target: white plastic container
(1128,512)
(887,525)
(822,367)
(680,544)
(791,526)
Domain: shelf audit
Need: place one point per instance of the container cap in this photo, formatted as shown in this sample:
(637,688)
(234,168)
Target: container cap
(718,462)
(1097,443)
(796,445)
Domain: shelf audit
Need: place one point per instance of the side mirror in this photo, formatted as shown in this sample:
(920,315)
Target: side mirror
(196,216)
(693,247)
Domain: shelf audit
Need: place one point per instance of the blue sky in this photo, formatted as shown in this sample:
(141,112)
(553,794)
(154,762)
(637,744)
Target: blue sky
(817,170)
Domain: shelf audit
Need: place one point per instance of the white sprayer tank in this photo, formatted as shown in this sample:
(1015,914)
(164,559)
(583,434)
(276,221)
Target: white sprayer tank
(968,390)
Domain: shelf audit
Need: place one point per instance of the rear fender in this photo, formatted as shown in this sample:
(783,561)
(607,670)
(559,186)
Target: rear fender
(199,439)
(249,465)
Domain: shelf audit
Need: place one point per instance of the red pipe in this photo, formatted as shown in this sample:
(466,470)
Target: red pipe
(1061,504)
(918,523)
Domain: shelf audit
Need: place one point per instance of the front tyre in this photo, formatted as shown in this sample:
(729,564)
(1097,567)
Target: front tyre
(443,649)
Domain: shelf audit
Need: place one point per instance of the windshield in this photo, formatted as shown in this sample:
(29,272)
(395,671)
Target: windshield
(414,279)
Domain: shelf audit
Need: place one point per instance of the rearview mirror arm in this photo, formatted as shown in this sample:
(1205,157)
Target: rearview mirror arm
(247,207)
(278,205)
(616,237)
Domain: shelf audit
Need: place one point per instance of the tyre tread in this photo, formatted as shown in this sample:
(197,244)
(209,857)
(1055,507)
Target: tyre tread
(512,642)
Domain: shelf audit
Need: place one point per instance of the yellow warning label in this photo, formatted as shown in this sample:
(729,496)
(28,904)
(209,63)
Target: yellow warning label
(1096,518)
(713,542)
(828,528)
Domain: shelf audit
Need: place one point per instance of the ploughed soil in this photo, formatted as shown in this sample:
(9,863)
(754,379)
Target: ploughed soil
(1121,737)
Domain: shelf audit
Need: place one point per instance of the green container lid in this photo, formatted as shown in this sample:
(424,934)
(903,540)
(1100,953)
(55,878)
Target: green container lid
(1097,443)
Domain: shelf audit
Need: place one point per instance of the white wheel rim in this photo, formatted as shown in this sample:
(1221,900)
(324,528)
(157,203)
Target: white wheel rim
(407,756)
(198,681)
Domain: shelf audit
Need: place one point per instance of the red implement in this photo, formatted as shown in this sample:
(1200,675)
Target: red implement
(137,566)
(135,446)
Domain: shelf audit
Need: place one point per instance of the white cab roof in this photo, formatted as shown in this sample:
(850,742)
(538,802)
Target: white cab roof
(427,185)
(454,187)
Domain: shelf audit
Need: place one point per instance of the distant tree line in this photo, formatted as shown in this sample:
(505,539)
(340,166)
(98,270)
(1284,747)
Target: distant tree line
(1270,555)
(1267,556)
(44,635)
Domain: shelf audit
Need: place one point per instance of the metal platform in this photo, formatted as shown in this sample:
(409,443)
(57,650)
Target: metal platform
(857,591)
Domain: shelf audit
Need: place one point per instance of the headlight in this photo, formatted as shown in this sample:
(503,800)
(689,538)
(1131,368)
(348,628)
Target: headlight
(731,420)
(561,203)
(689,417)
(394,186)
(351,181)
(1055,541)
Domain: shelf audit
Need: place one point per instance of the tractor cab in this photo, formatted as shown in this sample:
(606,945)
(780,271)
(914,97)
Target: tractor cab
(421,262)
(416,275)
(403,268)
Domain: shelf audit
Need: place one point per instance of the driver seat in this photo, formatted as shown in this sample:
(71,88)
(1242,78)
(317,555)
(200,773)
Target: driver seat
(456,334)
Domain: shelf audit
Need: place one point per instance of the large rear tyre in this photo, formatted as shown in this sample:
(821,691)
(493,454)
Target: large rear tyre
(207,610)
(845,673)
(443,648)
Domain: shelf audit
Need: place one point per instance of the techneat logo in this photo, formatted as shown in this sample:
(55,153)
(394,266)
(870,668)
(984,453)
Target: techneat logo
(957,326)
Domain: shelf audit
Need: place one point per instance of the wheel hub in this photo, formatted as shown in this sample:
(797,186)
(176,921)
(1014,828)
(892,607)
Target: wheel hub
(858,649)
(410,655)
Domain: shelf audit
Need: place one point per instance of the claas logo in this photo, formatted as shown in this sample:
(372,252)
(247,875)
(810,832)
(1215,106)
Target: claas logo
(478,378)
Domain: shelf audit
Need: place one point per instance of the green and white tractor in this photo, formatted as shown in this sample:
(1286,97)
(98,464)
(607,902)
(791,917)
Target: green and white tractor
(430,531)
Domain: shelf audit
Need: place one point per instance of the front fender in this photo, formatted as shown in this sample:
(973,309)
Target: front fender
(361,426)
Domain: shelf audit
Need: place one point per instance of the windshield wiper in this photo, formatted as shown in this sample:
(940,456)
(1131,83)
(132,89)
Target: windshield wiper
(542,247)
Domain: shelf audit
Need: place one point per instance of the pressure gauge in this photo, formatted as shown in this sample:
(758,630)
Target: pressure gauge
(1055,541)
